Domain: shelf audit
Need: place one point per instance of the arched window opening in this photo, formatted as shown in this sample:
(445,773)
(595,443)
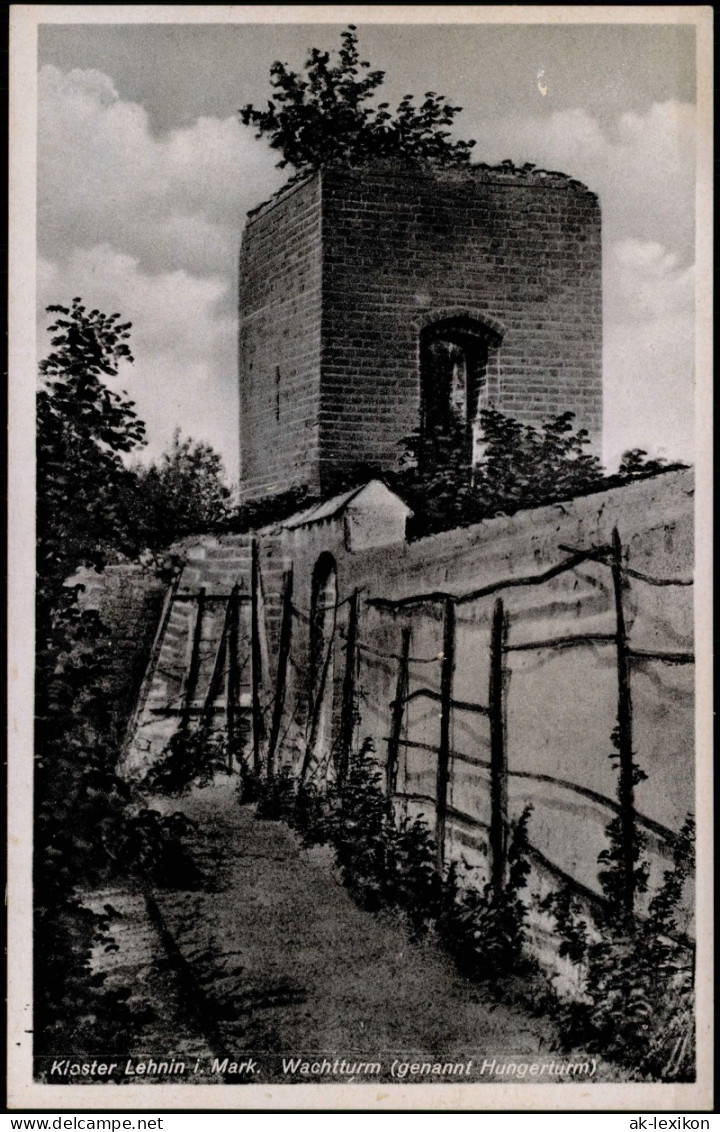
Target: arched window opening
(453,364)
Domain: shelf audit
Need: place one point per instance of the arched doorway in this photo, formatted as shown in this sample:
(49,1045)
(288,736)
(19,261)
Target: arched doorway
(453,363)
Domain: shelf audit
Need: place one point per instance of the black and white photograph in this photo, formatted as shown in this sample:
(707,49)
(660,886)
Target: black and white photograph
(360,727)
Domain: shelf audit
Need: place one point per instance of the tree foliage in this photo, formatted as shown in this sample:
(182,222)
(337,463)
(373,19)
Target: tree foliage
(183,492)
(327,116)
(520,466)
(89,826)
(84,490)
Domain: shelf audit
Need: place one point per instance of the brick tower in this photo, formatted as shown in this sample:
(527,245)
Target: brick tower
(375,301)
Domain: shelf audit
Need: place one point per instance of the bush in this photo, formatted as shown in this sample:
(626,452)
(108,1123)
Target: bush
(414,883)
(89,827)
(521,466)
(362,832)
(277,800)
(190,758)
(484,929)
(637,978)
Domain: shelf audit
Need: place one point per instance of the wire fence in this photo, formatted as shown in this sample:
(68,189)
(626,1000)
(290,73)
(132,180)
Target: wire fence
(328,688)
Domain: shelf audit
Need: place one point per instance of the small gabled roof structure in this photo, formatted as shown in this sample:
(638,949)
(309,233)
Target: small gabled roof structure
(371,514)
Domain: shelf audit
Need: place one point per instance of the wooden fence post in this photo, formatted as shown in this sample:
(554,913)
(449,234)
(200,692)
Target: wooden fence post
(258,723)
(316,706)
(626,783)
(282,666)
(347,719)
(232,692)
(447,671)
(194,665)
(498,750)
(218,671)
(398,712)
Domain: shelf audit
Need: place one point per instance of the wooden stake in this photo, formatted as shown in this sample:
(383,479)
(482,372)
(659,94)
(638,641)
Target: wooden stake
(398,714)
(194,665)
(498,750)
(626,783)
(282,666)
(258,723)
(447,672)
(233,677)
(347,720)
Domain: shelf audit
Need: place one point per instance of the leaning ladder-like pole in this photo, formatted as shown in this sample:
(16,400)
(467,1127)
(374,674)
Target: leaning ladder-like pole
(626,783)
(398,714)
(347,720)
(447,672)
(233,678)
(498,750)
(152,663)
(194,666)
(282,667)
(258,725)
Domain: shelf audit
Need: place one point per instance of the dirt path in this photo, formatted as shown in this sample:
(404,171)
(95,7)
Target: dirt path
(288,966)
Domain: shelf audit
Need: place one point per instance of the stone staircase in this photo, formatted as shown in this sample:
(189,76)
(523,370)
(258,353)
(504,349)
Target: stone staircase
(187,673)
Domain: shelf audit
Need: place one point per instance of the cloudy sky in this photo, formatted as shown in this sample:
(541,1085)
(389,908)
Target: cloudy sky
(145,175)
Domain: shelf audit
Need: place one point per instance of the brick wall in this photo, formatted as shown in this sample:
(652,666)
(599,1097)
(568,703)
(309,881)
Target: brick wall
(280,278)
(128,599)
(518,252)
(379,254)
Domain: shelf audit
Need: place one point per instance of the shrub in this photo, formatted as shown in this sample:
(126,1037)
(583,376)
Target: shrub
(328,116)
(389,862)
(484,929)
(521,466)
(637,977)
(190,758)
(362,834)
(277,800)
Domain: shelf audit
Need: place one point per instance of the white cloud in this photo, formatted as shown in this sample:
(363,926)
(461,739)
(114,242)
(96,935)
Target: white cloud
(642,280)
(644,172)
(183,342)
(648,351)
(149,225)
(174,201)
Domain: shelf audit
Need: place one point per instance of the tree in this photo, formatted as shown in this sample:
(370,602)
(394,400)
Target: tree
(520,466)
(182,493)
(326,117)
(84,491)
(88,826)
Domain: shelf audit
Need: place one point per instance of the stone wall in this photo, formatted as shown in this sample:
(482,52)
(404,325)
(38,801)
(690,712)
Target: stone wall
(128,599)
(560,703)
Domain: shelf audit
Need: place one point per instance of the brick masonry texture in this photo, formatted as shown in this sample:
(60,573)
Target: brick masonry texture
(280,311)
(340,274)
